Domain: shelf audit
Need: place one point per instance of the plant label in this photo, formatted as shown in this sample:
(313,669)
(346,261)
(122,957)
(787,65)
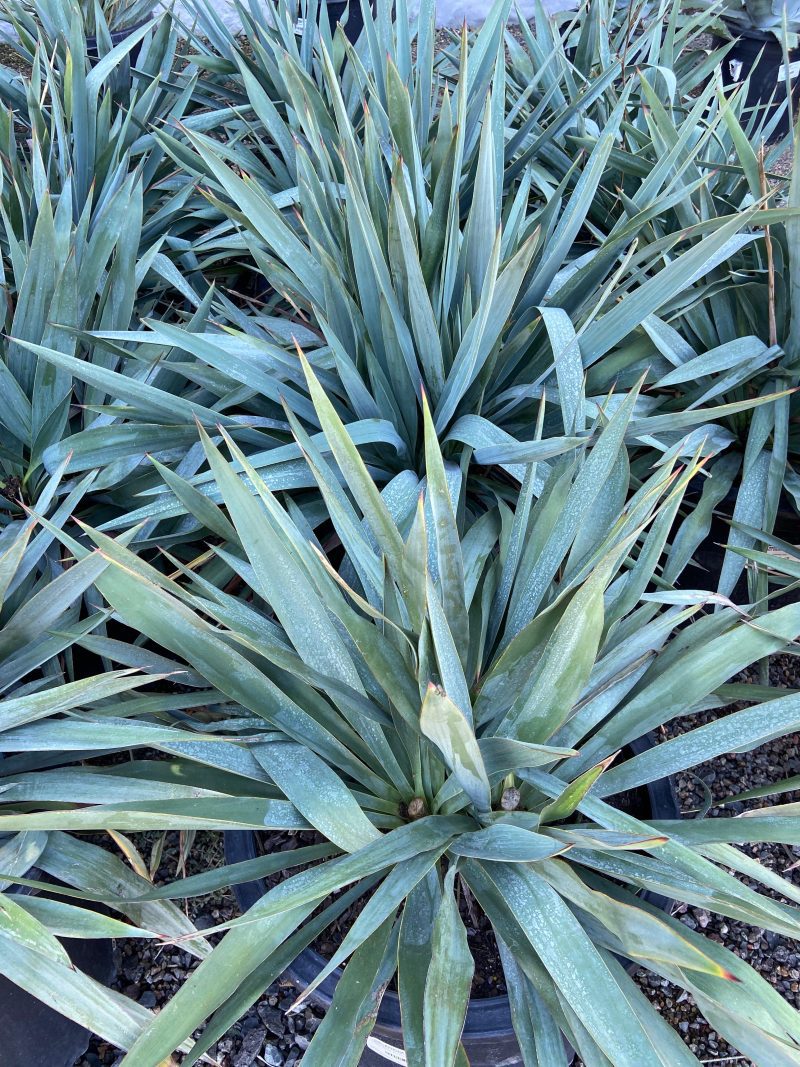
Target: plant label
(388,1052)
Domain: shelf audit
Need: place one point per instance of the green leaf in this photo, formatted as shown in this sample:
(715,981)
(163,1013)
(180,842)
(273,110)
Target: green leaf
(446,542)
(503,754)
(414,951)
(444,724)
(739,732)
(569,368)
(200,813)
(506,843)
(448,983)
(563,669)
(540,1040)
(10,561)
(355,473)
(569,956)
(318,793)
(26,930)
(451,671)
(343,1033)
(642,934)
(278,574)
(15,711)
(67,920)
(565,805)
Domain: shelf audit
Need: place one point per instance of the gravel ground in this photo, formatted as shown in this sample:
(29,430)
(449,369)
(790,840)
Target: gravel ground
(784,164)
(9,58)
(152,974)
(265,1035)
(776,958)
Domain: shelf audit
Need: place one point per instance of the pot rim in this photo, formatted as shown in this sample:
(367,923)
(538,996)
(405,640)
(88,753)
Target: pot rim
(118,36)
(752,33)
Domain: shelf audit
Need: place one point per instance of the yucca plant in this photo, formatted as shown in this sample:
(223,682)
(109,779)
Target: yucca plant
(450,710)
(93,236)
(100,18)
(85,243)
(711,349)
(658,37)
(735,333)
(445,265)
(118,15)
(45,608)
(96,225)
(73,126)
(778,16)
(61,277)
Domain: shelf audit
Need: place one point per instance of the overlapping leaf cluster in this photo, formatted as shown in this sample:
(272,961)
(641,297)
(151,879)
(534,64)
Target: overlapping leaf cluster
(380,397)
(52,19)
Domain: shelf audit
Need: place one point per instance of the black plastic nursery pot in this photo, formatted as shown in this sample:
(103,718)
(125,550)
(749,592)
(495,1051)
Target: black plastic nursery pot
(117,37)
(258,288)
(35,1035)
(710,554)
(338,9)
(489,1039)
(759,56)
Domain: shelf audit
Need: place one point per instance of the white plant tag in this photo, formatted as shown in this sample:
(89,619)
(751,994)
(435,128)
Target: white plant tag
(389,1052)
(794,70)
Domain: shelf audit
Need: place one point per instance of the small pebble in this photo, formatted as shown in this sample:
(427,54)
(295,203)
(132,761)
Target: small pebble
(271,1055)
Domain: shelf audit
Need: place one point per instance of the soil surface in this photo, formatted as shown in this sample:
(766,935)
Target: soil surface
(488,981)
(9,58)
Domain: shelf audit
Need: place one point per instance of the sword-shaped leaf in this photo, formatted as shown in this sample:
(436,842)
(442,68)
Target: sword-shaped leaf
(448,982)
(445,725)
(318,793)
